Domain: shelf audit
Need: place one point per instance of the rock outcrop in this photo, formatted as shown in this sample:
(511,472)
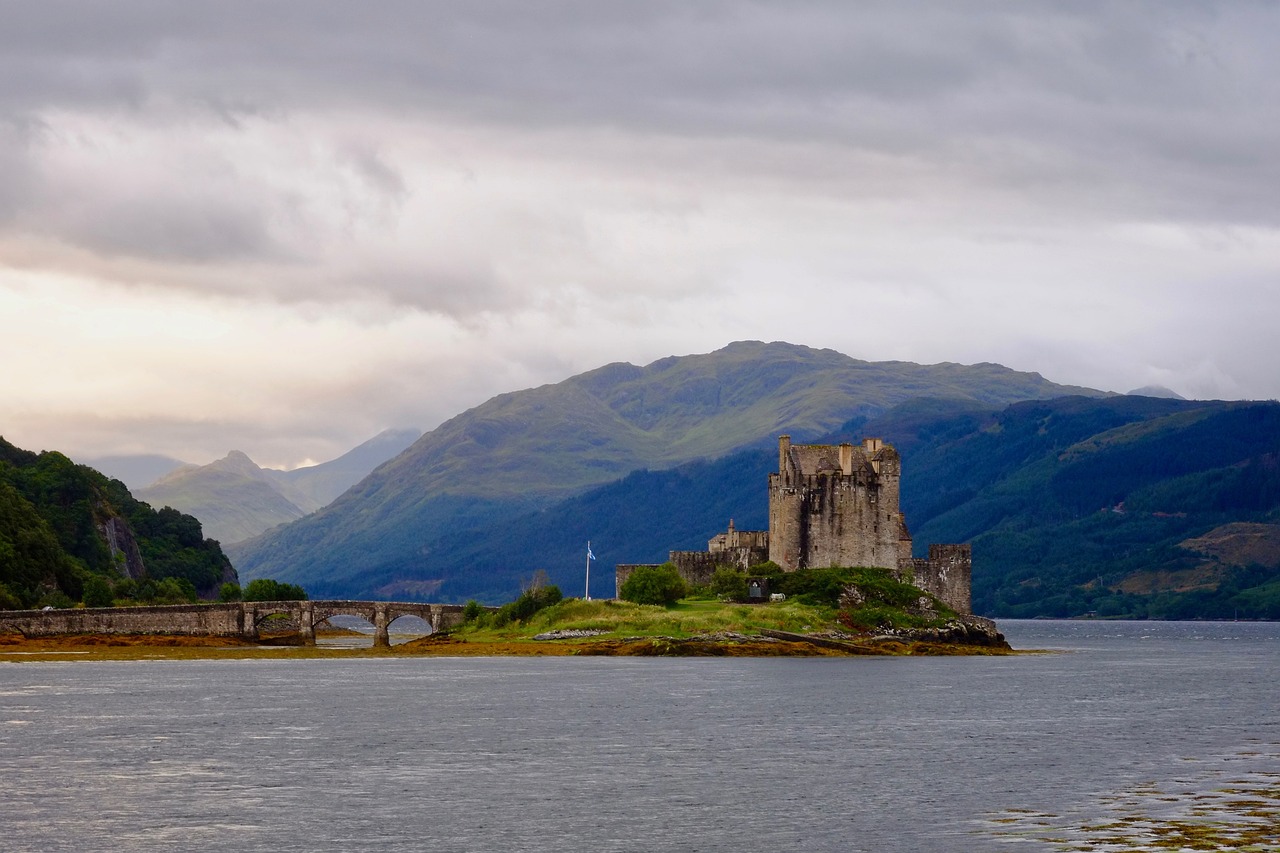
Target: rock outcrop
(124,547)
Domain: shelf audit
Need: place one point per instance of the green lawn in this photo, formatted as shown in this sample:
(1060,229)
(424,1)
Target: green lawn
(689,617)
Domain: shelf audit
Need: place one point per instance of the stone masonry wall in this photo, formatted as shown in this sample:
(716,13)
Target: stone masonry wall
(236,619)
(947,574)
(843,514)
(695,568)
(217,620)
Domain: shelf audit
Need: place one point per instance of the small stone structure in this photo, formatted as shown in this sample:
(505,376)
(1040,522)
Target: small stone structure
(739,549)
(240,619)
(833,505)
(946,574)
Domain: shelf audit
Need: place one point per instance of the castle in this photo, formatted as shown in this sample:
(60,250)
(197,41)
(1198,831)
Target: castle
(833,505)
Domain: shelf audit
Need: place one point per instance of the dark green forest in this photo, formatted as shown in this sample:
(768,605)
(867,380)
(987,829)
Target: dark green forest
(55,547)
(1065,502)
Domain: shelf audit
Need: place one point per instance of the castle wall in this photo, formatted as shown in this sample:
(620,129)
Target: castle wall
(947,574)
(835,506)
(788,539)
(696,567)
(622,571)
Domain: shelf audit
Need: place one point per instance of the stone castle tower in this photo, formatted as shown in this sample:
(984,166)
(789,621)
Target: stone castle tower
(833,505)
(836,505)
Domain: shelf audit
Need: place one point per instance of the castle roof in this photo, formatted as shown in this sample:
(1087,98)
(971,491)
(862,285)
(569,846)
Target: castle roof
(811,459)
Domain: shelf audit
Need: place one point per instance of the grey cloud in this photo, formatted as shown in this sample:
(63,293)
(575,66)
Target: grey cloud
(461,291)
(1153,110)
(647,63)
(168,229)
(1079,79)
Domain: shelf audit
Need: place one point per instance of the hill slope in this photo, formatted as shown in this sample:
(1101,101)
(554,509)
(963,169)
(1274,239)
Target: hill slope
(1071,503)
(318,485)
(235,499)
(62,523)
(1122,506)
(525,451)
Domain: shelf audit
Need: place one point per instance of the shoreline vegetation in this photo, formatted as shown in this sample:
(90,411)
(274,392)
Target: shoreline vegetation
(689,628)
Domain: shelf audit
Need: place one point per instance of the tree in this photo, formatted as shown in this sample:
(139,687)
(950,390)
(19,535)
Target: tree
(175,591)
(654,585)
(230,592)
(266,589)
(526,605)
(729,583)
(9,601)
(97,592)
(535,583)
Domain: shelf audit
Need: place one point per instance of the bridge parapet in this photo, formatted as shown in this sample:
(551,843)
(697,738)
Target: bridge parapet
(232,619)
(209,620)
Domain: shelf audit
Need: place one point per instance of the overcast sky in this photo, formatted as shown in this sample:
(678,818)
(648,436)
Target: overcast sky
(281,227)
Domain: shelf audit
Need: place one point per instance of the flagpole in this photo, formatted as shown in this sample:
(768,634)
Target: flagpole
(587,593)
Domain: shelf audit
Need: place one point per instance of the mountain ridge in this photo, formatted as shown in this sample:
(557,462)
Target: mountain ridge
(236,499)
(1051,537)
(527,449)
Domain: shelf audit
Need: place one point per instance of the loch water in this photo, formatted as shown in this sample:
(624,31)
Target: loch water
(1149,721)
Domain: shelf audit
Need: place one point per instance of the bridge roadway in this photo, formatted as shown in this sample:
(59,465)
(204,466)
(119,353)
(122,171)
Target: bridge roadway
(241,619)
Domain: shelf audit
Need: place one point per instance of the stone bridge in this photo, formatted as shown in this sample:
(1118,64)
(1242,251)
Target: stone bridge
(240,619)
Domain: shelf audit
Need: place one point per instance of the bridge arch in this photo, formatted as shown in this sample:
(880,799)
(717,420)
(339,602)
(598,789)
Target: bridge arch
(380,613)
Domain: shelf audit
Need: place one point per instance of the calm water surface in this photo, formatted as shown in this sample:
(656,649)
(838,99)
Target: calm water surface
(609,754)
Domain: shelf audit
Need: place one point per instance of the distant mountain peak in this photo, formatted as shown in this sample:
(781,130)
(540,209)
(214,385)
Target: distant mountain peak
(239,462)
(1159,391)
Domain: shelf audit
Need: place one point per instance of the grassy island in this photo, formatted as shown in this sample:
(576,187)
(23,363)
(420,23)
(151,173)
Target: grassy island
(706,626)
(828,612)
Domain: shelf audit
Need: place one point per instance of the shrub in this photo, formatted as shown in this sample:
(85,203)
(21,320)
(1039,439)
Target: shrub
(266,589)
(9,601)
(654,585)
(767,569)
(230,592)
(823,587)
(97,593)
(526,605)
(175,591)
(472,611)
(57,599)
(126,590)
(729,584)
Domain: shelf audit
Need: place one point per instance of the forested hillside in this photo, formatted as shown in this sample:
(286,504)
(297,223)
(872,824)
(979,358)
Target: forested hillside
(1124,506)
(528,450)
(65,526)
(1081,506)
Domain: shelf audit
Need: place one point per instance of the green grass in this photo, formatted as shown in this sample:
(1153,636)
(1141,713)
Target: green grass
(686,619)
